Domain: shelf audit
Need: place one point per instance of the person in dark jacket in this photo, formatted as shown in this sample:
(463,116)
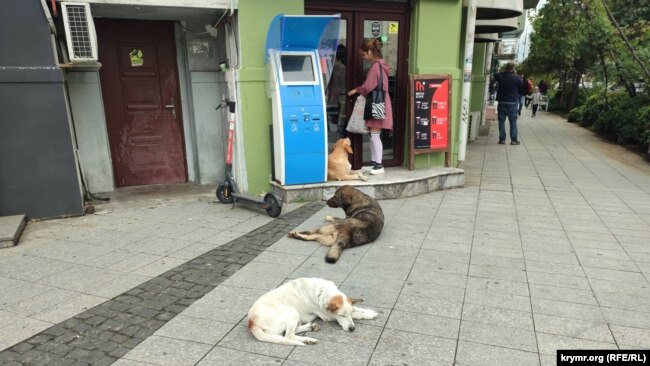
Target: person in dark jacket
(542,87)
(508,88)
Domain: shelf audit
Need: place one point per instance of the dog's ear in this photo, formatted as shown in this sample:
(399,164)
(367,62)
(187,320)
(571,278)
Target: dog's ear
(331,307)
(345,197)
(348,148)
(354,301)
(334,303)
(338,143)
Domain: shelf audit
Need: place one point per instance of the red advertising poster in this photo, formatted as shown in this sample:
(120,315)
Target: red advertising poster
(430,114)
(431,98)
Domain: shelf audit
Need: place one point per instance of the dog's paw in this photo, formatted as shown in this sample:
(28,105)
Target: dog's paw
(293,234)
(315,327)
(362,313)
(308,340)
(363,177)
(329,218)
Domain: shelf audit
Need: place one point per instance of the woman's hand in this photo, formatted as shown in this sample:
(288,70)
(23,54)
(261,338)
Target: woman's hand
(352,92)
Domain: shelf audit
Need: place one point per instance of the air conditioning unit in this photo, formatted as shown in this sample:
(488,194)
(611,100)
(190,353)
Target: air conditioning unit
(80,35)
(474,122)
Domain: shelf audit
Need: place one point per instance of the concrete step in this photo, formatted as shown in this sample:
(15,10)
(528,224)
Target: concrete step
(10,229)
(396,182)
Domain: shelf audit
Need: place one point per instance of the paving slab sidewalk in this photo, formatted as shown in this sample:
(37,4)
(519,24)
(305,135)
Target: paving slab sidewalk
(545,248)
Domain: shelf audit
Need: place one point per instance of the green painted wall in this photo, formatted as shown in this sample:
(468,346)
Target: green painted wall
(254,19)
(478,78)
(436,48)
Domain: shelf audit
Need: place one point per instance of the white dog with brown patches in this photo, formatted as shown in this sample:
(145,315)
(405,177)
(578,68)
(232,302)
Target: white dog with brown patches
(279,314)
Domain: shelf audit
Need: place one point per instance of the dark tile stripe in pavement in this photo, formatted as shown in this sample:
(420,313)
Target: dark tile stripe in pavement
(103,334)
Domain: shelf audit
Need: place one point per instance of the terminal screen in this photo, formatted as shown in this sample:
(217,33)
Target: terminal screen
(297,68)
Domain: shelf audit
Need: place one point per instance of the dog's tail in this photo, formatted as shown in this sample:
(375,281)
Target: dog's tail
(334,253)
(261,335)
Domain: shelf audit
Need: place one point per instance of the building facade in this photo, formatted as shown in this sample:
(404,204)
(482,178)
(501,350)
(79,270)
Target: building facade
(142,109)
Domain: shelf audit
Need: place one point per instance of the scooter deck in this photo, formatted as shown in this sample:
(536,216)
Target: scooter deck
(245,197)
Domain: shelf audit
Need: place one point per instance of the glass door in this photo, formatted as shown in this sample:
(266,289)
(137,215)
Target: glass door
(386,28)
(361,20)
(335,92)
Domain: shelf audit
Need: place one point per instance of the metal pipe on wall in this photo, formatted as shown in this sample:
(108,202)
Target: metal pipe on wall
(488,74)
(467,78)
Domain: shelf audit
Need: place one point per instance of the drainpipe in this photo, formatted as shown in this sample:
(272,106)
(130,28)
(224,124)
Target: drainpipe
(467,77)
(487,73)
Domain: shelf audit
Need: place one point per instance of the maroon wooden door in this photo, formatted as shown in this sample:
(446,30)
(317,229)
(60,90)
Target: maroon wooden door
(141,101)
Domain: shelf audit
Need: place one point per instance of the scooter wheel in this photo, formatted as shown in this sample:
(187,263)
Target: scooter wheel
(274,209)
(224,194)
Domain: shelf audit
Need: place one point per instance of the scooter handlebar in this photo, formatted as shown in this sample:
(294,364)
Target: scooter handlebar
(231,105)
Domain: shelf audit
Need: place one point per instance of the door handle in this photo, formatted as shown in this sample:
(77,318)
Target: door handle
(172,106)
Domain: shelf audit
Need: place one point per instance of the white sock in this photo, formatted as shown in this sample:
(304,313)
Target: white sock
(376,147)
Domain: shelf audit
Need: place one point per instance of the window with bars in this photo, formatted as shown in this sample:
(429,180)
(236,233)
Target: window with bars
(80,32)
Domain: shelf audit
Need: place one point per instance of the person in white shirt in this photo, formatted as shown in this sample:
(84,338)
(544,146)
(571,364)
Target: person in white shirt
(536,97)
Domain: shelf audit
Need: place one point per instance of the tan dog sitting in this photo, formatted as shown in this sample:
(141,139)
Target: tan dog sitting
(338,166)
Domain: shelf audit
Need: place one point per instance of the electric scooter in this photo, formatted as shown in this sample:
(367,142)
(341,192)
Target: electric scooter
(227,191)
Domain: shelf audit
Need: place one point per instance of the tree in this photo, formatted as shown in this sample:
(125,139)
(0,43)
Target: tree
(599,38)
(627,42)
(557,45)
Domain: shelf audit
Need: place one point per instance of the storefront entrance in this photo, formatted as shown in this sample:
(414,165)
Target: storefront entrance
(362,20)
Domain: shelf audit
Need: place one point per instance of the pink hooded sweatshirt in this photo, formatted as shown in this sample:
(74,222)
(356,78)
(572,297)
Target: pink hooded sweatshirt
(369,85)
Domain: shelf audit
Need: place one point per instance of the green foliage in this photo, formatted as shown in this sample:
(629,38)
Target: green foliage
(577,44)
(593,110)
(554,39)
(612,116)
(554,105)
(560,100)
(577,114)
(633,17)
(628,123)
(575,39)
(624,119)
(644,125)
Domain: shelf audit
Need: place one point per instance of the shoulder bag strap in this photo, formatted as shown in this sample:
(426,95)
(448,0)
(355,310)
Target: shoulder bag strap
(381,77)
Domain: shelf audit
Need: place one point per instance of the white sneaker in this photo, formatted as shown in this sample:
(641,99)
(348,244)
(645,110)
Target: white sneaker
(377,170)
(368,168)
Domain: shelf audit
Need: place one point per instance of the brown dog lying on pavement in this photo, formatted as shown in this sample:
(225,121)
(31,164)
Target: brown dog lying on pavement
(362,224)
(338,166)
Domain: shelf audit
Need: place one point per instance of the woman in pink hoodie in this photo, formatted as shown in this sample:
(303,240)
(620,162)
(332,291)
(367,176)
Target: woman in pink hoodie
(371,51)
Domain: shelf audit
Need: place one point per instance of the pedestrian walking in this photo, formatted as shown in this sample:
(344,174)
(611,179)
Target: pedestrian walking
(529,92)
(535,98)
(521,93)
(509,86)
(543,88)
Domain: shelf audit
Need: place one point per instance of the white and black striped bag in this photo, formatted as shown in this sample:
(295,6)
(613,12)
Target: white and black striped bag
(375,103)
